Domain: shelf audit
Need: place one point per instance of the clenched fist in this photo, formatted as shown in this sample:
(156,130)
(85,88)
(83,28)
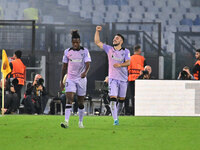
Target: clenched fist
(98,28)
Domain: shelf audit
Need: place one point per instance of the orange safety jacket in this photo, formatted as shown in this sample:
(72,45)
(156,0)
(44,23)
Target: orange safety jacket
(196,74)
(19,71)
(135,67)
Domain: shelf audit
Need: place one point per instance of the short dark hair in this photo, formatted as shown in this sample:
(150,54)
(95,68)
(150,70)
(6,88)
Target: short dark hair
(121,36)
(75,34)
(137,47)
(18,53)
(198,50)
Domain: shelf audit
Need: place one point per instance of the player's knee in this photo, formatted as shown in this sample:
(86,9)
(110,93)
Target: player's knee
(113,99)
(69,101)
(80,106)
(113,102)
(121,100)
(68,106)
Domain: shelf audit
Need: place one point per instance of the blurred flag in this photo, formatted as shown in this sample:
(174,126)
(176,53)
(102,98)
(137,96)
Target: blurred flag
(5,67)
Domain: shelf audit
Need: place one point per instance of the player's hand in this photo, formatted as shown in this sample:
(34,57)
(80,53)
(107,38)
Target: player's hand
(83,75)
(61,85)
(98,28)
(117,65)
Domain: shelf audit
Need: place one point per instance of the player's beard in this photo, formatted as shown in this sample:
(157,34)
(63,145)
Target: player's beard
(116,44)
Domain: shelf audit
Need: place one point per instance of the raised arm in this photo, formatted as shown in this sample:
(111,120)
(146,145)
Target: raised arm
(97,37)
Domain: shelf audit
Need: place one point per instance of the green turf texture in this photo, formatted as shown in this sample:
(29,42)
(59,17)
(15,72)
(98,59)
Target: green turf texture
(40,132)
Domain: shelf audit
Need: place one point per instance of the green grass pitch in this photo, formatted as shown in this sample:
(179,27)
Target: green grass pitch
(40,132)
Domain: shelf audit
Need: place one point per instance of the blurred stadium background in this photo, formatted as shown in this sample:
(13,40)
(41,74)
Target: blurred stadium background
(168,31)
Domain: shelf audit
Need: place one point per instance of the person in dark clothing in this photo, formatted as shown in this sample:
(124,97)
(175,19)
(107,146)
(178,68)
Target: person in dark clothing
(185,74)
(137,64)
(18,70)
(10,99)
(146,73)
(196,68)
(36,96)
(106,98)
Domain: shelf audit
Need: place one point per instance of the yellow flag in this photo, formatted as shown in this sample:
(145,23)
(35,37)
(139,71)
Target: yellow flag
(5,67)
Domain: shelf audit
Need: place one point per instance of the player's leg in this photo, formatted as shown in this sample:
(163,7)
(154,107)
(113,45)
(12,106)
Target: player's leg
(120,105)
(70,89)
(81,110)
(68,108)
(106,100)
(81,92)
(122,94)
(113,92)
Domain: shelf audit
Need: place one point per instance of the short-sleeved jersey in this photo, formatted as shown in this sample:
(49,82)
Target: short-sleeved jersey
(117,56)
(76,60)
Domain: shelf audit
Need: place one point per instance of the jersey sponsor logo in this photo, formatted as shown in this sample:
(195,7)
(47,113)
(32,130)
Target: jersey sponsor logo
(76,60)
(116,58)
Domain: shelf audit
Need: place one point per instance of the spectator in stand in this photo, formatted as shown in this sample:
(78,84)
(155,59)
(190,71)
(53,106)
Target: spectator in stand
(186,21)
(196,20)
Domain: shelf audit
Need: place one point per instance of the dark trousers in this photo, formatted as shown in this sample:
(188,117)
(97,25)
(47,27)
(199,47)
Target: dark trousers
(10,102)
(106,103)
(130,95)
(35,105)
(18,89)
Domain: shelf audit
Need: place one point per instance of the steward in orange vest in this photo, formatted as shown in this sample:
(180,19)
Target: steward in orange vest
(196,68)
(137,64)
(18,68)
(19,72)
